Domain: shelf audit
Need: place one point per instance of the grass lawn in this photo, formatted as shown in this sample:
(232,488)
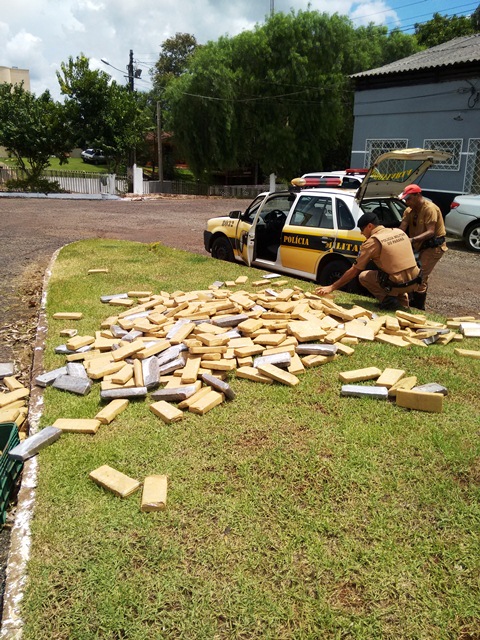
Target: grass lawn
(73,164)
(292,512)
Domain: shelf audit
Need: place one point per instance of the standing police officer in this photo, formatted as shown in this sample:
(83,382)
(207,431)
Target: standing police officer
(423,221)
(391,251)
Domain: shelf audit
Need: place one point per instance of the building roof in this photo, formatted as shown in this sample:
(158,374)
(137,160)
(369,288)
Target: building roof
(458,51)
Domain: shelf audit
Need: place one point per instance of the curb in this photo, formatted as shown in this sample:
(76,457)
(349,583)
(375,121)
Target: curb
(20,540)
(59,196)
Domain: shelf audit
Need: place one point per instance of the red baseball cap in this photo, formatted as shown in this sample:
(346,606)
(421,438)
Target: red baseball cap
(410,190)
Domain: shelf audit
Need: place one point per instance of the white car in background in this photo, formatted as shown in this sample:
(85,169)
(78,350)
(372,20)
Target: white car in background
(463,220)
(93,156)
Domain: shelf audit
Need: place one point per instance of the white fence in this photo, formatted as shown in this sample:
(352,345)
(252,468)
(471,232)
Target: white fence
(75,181)
(79,182)
(111,184)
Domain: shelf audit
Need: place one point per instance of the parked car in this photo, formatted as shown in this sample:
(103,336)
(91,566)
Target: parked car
(312,232)
(463,220)
(93,156)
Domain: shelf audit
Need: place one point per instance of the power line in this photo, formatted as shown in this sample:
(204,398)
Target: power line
(430,15)
(419,97)
(372,15)
(412,25)
(452,10)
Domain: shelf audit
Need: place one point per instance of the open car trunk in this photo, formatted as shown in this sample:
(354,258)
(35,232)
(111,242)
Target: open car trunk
(394,170)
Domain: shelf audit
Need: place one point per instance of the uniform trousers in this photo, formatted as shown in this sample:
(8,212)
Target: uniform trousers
(428,258)
(369,280)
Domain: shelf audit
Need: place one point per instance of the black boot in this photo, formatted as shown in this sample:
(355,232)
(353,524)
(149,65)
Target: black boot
(417,300)
(391,303)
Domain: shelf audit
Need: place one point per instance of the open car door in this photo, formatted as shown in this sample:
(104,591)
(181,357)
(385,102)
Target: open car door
(394,170)
(263,238)
(251,224)
(245,233)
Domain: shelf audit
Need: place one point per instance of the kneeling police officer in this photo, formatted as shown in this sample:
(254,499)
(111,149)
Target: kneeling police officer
(391,250)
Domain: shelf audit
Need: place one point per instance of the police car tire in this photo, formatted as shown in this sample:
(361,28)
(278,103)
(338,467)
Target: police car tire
(332,272)
(472,237)
(222,250)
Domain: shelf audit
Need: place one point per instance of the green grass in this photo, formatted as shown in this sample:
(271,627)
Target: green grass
(292,512)
(73,164)
(77,164)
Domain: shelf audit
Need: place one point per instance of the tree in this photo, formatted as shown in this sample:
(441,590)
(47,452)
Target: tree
(444,28)
(376,46)
(32,129)
(101,112)
(278,98)
(173,59)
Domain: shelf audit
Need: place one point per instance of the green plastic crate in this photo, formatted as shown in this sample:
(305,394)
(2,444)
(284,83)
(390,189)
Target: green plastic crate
(9,469)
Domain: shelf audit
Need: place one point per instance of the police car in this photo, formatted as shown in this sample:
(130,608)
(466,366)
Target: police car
(310,231)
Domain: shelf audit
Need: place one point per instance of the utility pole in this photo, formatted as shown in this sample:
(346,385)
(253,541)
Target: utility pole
(130,72)
(131,87)
(159,144)
(272,7)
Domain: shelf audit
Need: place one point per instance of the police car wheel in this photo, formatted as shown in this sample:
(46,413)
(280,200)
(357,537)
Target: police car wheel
(472,237)
(222,250)
(332,272)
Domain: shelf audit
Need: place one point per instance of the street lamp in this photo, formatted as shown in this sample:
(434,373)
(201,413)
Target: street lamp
(131,73)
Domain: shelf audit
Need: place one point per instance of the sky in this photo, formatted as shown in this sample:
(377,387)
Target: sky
(39,35)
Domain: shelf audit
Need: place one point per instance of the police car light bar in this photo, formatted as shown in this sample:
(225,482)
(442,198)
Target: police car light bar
(316,182)
(353,171)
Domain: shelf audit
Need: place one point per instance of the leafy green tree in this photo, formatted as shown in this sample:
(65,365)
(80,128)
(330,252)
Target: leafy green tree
(173,59)
(278,98)
(102,113)
(444,28)
(376,46)
(32,129)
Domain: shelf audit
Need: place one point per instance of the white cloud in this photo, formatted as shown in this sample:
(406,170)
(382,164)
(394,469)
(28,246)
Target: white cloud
(376,12)
(23,46)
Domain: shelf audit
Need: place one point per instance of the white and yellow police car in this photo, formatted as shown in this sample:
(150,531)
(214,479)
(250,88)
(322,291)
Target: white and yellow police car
(311,230)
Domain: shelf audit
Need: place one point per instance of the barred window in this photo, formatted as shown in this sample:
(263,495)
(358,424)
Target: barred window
(450,145)
(472,169)
(375,148)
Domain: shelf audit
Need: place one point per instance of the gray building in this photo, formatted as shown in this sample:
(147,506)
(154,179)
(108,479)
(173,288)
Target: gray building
(430,100)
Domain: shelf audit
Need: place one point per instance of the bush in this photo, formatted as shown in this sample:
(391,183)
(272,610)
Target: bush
(34,185)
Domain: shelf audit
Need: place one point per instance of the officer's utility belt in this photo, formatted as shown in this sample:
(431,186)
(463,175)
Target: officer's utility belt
(388,285)
(432,242)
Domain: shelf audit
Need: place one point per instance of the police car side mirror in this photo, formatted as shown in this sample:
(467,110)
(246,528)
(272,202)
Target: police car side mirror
(235,214)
